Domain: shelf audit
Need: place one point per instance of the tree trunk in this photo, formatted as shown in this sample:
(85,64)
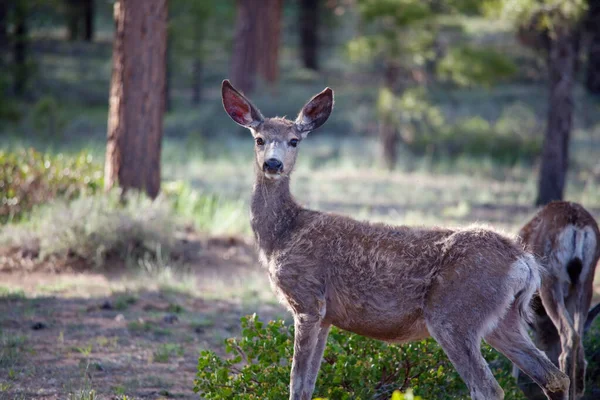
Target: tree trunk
(3,27)
(88,17)
(135,117)
(269,34)
(555,153)
(388,131)
(244,59)
(73,14)
(197,81)
(592,79)
(309,33)
(21,70)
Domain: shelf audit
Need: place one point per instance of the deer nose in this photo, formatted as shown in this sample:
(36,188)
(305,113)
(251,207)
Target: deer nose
(272,164)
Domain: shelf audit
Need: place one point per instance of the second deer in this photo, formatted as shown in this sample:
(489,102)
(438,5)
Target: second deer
(564,238)
(392,283)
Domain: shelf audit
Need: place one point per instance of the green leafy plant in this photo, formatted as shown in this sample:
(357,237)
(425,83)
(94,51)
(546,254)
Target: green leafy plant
(29,178)
(354,367)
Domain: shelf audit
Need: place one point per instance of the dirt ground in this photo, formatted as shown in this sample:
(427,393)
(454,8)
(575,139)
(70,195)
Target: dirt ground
(66,331)
(64,334)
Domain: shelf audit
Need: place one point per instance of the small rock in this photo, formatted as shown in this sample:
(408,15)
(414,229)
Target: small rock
(38,325)
(120,318)
(170,318)
(107,305)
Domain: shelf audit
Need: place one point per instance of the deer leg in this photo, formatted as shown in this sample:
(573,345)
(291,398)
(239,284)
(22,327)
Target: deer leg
(578,307)
(305,342)
(509,338)
(464,352)
(554,303)
(317,357)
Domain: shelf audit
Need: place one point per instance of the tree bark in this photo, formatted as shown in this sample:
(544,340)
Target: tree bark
(244,59)
(592,79)
(269,25)
(3,27)
(135,116)
(73,15)
(388,131)
(21,70)
(555,153)
(309,33)
(88,18)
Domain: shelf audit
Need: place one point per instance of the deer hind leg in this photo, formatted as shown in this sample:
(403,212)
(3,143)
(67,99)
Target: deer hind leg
(317,356)
(463,350)
(577,304)
(552,297)
(509,338)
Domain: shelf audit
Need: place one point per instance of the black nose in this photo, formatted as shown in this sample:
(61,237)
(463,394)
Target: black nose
(272,164)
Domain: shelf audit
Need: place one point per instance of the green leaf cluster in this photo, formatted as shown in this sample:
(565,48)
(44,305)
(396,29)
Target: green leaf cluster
(354,367)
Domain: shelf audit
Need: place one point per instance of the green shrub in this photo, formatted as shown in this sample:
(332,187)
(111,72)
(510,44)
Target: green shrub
(29,178)
(591,343)
(354,367)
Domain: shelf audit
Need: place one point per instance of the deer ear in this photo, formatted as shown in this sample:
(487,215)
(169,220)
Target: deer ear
(315,112)
(239,107)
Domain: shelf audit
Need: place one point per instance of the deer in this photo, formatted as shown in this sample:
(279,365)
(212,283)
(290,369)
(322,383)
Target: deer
(391,283)
(563,236)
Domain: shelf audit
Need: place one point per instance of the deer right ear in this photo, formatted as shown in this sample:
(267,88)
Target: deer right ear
(239,107)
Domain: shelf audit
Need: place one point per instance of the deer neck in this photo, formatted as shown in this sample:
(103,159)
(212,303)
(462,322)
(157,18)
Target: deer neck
(274,212)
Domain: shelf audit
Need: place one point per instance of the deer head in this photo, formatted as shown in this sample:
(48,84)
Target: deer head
(276,139)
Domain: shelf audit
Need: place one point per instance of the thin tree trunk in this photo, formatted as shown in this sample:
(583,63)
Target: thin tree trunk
(555,153)
(3,27)
(73,12)
(21,70)
(197,81)
(388,131)
(269,34)
(88,14)
(592,78)
(137,96)
(309,33)
(244,60)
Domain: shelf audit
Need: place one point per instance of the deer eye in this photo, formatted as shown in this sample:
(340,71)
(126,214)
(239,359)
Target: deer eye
(260,141)
(294,142)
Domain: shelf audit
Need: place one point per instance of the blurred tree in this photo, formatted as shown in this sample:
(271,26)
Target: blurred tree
(3,27)
(309,33)
(554,28)
(402,37)
(592,79)
(193,26)
(256,42)
(20,41)
(245,56)
(269,34)
(135,118)
(80,19)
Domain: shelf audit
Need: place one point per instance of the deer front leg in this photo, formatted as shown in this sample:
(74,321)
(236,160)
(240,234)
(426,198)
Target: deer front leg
(554,303)
(305,343)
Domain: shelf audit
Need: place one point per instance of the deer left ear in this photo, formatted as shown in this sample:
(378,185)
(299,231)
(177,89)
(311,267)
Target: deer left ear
(315,112)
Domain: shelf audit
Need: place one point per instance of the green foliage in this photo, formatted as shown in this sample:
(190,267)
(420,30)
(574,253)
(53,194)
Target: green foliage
(29,178)
(467,65)
(95,228)
(354,367)
(48,117)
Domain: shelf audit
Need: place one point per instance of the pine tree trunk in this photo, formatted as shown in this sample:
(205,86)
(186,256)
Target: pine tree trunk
(21,70)
(592,79)
(197,81)
(388,131)
(269,34)
(3,27)
(309,33)
(137,96)
(74,11)
(555,153)
(244,59)
(89,11)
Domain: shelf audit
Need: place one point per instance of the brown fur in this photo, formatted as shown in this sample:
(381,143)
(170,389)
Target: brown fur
(560,235)
(386,282)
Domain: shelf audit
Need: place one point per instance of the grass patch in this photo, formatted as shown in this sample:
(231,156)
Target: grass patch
(12,349)
(9,293)
(165,351)
(140,327)
(123,301)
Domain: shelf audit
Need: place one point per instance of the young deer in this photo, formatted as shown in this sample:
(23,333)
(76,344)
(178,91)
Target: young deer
(563,236)
(390,283)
